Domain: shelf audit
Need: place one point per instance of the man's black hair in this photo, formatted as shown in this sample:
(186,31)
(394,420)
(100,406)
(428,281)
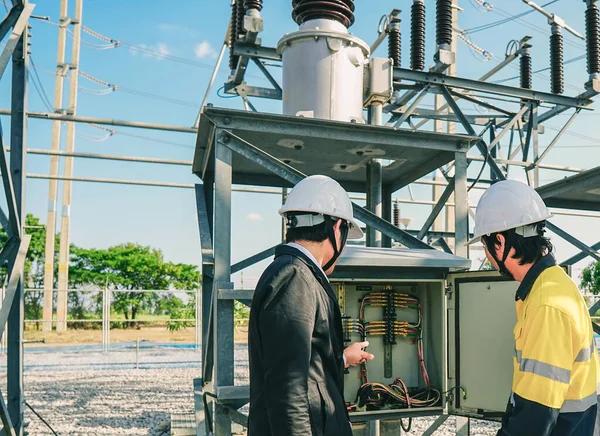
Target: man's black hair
(527,250)
(316,233)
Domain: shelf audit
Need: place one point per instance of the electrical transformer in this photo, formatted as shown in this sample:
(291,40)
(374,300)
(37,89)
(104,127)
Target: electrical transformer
(442,337)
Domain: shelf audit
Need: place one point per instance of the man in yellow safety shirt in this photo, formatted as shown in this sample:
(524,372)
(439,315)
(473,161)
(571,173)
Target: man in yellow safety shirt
(556,365)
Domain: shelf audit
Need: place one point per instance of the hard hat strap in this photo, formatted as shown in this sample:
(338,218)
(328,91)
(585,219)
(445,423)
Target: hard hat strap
(501,263)
(330,223)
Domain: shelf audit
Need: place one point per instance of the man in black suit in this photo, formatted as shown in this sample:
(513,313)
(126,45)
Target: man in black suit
(296,348)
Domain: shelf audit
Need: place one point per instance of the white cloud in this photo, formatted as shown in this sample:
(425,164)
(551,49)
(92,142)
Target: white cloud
(204,49)
(253,216)
(158,51)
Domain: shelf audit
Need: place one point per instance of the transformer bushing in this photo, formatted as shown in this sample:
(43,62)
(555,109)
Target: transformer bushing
(341,11)
(233,35)
(592,30)
(394,41)
(417,36)
(557,79)
(444,24)
(526,71)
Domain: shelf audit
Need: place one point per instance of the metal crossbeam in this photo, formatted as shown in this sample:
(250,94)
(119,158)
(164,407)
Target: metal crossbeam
(481,145)
(559,135)
(14,225)
(413,106)
(15,36)
(256,51)
(436,424)
(252,260)
(293,176)
(491,88)
(17,263)
(253,91)
(7,425)
(437,209)
(441,242)
(9,21)
(206,245)
(578,257)
(267,74)
(3,219)
(574,241)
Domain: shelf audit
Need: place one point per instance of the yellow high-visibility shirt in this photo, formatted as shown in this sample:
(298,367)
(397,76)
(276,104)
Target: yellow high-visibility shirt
(556,360)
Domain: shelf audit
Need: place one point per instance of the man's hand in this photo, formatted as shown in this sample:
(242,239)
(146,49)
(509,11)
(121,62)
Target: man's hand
(354,354)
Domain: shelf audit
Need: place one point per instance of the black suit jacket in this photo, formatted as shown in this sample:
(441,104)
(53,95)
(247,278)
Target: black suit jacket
(296,352)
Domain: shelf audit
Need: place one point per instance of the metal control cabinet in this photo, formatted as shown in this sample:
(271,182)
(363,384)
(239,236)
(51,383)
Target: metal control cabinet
(468,319)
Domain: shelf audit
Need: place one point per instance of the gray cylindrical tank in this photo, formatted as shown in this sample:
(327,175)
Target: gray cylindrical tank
(323,68)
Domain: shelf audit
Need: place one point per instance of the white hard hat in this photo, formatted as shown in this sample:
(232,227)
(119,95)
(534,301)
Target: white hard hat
(322,195)
(509,205)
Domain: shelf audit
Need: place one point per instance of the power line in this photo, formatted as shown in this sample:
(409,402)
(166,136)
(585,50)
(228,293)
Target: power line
(110,87)
(40,90)
(575,59)
(144,50)
(535,27)
(146,138)
(506,20)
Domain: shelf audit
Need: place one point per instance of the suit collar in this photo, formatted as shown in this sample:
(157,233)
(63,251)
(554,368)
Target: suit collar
(283,250)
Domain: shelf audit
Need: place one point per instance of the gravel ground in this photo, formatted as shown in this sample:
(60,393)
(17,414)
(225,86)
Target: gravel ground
(132,402)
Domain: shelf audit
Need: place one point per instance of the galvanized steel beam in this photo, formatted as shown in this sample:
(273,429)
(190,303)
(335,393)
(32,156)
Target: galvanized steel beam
(253,260)
(579,257)
(492,88)
(292,175)
(481,145)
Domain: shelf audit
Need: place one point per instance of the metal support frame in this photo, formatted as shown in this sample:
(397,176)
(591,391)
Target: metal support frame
(401,74)
(265,254)
(226,142)
(580,256)
(481,145)
(441,202)
(573,241)
(223,326)
(18,141)
(293,176)
(374,199)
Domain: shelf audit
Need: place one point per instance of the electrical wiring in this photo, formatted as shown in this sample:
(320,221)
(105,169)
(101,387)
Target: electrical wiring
(144,50)
(482,6)
(474,47)
(39,86)
(535,27)
(110,88)
(376,395)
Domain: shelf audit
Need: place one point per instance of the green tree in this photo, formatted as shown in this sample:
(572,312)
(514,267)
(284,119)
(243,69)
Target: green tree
(590,278)
(130,267)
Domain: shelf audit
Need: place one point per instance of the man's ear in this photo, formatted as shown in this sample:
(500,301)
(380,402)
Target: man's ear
(337,225)
(500,247)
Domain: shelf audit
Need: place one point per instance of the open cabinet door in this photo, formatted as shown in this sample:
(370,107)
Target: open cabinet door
(481,318)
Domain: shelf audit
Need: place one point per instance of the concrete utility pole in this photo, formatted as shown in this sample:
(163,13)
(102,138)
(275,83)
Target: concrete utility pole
(54,160)
(63,259)
(451,127)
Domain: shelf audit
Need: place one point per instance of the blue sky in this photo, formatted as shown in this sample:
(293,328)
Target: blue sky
(104,215)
